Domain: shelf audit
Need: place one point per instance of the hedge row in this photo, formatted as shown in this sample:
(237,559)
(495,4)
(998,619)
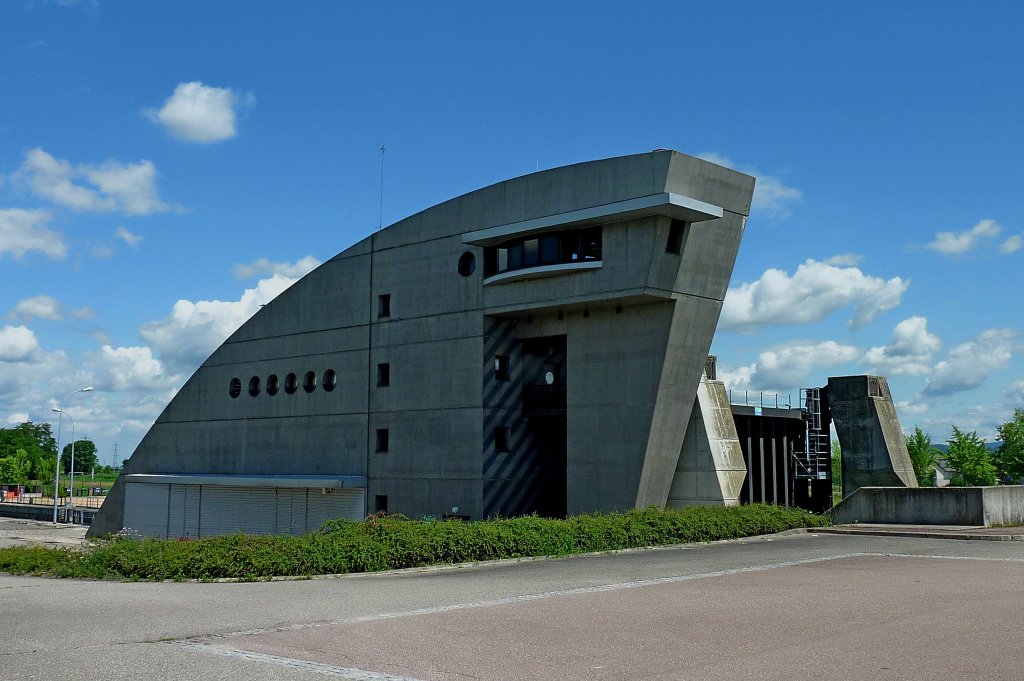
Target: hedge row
(396,542)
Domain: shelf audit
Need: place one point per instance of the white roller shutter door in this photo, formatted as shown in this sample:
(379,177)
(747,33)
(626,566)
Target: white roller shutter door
(145,509)
(226,510)
(291,510)
(183,511)
(347,503)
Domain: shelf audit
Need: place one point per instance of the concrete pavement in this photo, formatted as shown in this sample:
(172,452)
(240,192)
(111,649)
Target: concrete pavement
(795,607)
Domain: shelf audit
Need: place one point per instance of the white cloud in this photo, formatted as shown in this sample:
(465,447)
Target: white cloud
(200,113)
(788,367)
(1015,393)
(41,307)
(1012,244)
(970,363)
(263,266)
(129,238)
(127,368)
(906,407)
(814,291)
(909,352)
(17,344)
(956,243)
(22,231)
(16,418)
(194,330)
(115,187)
(844,260)
(771,196)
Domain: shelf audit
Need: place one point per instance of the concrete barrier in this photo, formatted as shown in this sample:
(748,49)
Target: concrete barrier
(1003,505)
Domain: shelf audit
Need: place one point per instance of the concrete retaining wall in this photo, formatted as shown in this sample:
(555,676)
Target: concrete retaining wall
(933,505)
(26,511)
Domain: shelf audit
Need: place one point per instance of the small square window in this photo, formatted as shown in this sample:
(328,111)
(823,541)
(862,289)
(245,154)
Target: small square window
(383,374)
(384,305)
(676,234)
(501,439)
(501,368)
(382,439)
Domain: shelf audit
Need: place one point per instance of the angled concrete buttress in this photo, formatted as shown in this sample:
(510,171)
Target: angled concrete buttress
(711,469)
(874,452)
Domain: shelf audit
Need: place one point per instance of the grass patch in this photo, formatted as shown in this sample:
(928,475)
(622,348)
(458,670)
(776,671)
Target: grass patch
(384,543)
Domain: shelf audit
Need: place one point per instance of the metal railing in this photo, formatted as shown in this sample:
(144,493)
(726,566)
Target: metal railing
(751,398)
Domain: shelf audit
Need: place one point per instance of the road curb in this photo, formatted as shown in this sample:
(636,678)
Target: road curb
(921,534)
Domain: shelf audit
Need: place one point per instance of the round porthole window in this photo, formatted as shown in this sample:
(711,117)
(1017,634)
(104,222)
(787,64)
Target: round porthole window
(467,264)
(309,381)
(290,383)
(272,384)
(330,380)
(254,386)
(235,388)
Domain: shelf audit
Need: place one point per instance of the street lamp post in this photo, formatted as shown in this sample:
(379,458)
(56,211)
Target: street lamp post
(72,502)
(60,420)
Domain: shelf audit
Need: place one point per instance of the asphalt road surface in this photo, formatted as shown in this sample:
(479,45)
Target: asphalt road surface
(797,607)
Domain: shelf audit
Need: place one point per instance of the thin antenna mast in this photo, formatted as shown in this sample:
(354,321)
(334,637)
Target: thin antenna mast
(380,215)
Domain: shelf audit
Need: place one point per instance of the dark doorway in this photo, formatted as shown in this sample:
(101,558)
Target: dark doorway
(544,406)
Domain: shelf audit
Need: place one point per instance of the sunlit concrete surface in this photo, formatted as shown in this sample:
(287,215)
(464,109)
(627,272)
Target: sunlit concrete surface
(795,607)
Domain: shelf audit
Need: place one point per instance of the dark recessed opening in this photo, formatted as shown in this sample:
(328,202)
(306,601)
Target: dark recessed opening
(383,374)
(382,439)
(254,386)
(309,381)
(330,380)
(290,383)
(501,368)
(501,439)
(235,388)
(272,384)
(467,264)
(380,503)
(383,305)
(676,236)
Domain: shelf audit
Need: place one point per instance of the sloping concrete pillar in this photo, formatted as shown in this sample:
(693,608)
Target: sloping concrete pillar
(874,451)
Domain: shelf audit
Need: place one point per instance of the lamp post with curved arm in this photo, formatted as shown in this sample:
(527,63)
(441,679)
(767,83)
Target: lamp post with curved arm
(60,420)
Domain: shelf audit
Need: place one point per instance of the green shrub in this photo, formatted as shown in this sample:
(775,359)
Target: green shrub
(391,542)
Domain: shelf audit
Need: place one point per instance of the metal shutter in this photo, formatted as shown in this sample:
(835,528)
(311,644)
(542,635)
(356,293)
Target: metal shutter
(291,510)
(226,510)
(145,508)
(336,503)
(183,511)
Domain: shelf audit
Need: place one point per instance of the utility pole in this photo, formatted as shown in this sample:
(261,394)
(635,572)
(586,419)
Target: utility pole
(113,458)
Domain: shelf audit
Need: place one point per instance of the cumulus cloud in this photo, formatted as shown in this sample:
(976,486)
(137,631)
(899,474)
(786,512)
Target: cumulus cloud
(17,344)
(771,196)
(970,363)
(263,266)
(1012,244)
(201,113)
(908,353)
(956,243)
(22,231)
(1015,393)
(906,407)
(129,238)
(788,367)
(814,291)
(192,331)
(41,307)
(844,260)
(107,187)
(127,368)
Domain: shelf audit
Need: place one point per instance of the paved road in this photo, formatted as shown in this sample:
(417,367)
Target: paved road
(795,607)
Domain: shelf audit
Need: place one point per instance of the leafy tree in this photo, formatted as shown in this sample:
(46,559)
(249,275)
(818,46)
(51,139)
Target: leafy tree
(1010,455)
(971,459)
(35,438)
(13,469)
(85,456)
(837,464)
(922,455)
(45,470)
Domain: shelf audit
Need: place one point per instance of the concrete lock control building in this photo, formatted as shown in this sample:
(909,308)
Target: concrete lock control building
(538,345)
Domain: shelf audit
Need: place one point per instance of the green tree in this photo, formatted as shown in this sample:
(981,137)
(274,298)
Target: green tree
(1009,457)
(970,459)
(922,455)
(35,438)
(13,469)
(45,471)
(85,456)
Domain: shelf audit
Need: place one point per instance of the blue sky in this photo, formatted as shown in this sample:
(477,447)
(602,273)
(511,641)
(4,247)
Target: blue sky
(166,167)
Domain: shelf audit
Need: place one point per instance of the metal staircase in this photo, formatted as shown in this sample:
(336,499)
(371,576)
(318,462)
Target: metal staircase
(814,462)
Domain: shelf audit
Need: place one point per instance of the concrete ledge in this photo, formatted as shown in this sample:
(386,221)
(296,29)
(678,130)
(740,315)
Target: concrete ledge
(961,506)
(925,532)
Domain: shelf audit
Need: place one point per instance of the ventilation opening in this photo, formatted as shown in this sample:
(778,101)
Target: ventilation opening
(330,380)
(382,439)
(380,503)
(309,381)
(273,384)
(383,375)
(290,383)
(384,305)
(235,388)
(254,386)
(676,237)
